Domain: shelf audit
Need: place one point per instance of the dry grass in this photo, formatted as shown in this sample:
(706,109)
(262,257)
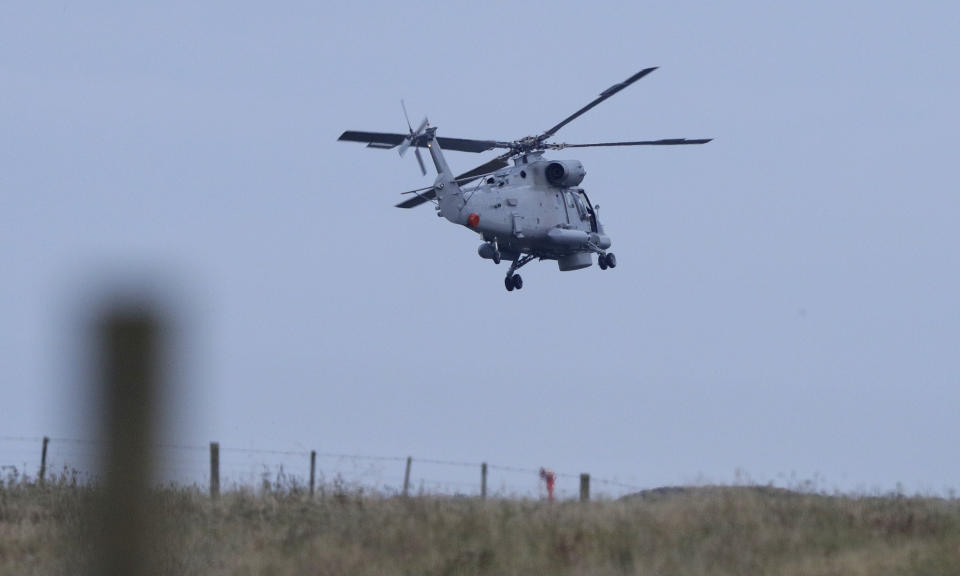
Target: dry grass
(692,531)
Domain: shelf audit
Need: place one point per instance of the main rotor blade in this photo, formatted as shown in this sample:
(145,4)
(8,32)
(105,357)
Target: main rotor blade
(664,142)
(418,199)
(387,140)
(603,96)
(486,168)
(469,145)
(374,139)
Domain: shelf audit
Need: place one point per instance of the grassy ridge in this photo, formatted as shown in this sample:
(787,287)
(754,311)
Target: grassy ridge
(690,531)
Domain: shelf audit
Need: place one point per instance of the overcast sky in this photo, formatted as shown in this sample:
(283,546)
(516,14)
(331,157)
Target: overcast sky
(785,301)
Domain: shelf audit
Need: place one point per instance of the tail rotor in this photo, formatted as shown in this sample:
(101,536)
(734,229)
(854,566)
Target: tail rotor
(412,139)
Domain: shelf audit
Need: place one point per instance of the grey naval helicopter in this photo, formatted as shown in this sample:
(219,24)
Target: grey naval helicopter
(533,209)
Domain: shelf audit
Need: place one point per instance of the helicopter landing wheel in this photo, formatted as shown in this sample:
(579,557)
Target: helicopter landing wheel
(496,257)
(602,261)
(513,282)
(611,260)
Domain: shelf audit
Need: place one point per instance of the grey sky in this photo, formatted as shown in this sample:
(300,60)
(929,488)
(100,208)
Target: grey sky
(785,300)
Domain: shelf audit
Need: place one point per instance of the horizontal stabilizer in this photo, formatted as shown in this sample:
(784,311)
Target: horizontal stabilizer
(419,199)
(429,193)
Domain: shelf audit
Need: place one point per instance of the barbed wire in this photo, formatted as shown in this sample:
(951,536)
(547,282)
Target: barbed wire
(361,457)
(22,438)
(618,484)
(448,462)
(264,451)
(502,468)
(190,465)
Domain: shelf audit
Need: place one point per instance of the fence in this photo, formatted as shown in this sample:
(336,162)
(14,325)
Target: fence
(219,465)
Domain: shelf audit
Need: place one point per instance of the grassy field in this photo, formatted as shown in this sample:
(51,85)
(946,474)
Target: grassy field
(686,531)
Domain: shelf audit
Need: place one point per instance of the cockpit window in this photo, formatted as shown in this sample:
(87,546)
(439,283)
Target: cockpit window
(582,206)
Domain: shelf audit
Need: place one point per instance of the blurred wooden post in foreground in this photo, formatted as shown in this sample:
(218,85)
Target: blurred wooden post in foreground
(483,481)
(130,349)
(214,470)
(313,469)
(406,477)
(584,487)
(43,459)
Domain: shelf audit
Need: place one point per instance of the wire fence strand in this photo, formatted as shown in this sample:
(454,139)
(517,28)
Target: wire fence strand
(188,460)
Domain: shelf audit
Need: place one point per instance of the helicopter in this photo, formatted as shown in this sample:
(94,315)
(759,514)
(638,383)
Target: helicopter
(532,210)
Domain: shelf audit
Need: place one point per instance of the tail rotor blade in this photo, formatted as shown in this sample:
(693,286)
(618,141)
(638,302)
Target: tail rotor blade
(423,125)
(423,169)
(409,140)
(413,138)
(404,106)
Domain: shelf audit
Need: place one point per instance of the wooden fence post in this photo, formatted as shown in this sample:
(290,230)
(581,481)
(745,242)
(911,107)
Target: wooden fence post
(406,477)
(313,470)
(132,351)
(584,487)
(483,481)
(43,459)
(214,470)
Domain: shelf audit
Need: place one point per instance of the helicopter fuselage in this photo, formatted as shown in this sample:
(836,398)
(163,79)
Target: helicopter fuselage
(528,208)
